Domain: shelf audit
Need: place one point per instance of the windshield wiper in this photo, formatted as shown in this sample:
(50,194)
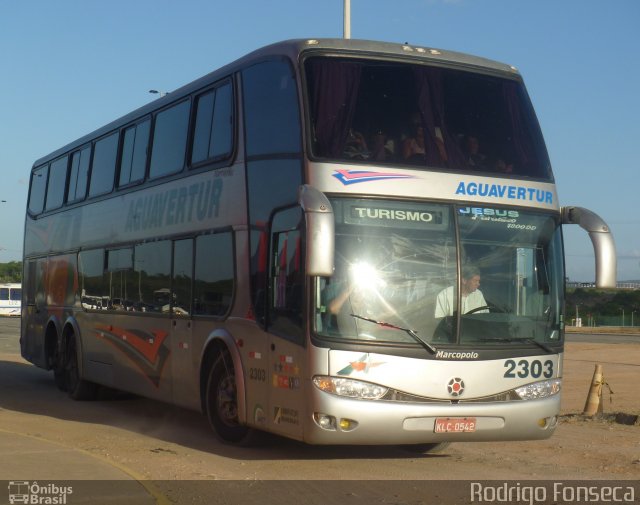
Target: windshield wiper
(410,332)
(528,340)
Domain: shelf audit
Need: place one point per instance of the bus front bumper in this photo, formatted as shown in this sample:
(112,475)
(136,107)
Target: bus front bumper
(339,420)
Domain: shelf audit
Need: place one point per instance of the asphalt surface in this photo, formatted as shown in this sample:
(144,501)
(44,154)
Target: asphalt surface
(40,463)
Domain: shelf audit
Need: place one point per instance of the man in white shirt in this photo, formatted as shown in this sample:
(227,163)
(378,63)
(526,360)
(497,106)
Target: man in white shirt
(471,296)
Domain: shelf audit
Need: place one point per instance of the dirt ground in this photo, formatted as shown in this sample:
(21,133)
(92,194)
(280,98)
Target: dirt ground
(156,442)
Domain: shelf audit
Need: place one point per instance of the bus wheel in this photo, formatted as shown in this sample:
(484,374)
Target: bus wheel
(426,448)
(77,388)
(222,402)
(59,373)
(60,377)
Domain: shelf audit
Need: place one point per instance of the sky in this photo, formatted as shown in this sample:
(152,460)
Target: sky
(71,66)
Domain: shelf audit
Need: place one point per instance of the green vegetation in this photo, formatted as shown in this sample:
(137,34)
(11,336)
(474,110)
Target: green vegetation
(604,306)
(11,272)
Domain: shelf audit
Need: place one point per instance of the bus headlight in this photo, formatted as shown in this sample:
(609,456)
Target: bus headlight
(537,390)
(349,387)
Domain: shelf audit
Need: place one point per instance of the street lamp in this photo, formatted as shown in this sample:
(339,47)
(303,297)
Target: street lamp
(156,92)
(347,19)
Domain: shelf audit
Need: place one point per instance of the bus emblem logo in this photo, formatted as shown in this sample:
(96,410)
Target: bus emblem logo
(455,386)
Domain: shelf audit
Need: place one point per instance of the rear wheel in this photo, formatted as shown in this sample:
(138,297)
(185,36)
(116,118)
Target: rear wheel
(77,388)
(59,373)
(222,402)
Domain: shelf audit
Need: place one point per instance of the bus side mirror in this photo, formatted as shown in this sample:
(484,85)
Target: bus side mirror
(320,232)
(603,246)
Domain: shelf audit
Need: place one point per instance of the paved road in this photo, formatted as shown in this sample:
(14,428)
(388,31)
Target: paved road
(10,335)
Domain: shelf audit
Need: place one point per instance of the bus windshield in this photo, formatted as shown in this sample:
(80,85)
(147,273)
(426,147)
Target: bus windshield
(366,111)
(450,274)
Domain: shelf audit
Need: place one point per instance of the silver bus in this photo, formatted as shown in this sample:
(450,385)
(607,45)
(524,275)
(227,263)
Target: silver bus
(336,241)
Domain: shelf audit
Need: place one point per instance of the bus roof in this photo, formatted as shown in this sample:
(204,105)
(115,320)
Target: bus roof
(294,49)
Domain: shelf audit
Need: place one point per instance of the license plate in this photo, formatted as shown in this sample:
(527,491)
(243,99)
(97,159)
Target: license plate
(455,424)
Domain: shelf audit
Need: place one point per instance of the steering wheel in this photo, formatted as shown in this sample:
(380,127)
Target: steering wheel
(478,309)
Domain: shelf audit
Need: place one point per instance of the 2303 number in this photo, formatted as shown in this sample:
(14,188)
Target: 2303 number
(525,368)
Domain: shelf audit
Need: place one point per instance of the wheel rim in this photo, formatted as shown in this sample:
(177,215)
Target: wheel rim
(226,403)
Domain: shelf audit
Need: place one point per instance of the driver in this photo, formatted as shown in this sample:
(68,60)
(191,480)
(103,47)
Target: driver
(472,297)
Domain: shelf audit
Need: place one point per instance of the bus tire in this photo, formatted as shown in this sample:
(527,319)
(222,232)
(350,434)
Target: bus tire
(221,402)
(77,388)
(433,448)
(60,377)
(59,372)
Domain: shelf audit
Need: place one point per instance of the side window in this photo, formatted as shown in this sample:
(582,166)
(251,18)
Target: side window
(169,140)
(272,118)
(286,280)
(152,272)
(134,153)
(213,134)
(214,274)
(122,285)
(79,174)
(103,168)
(38,187)
(182,275)
(4,293)
(91,273)
(57,183)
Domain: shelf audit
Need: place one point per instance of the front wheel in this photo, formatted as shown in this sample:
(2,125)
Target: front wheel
(222,402)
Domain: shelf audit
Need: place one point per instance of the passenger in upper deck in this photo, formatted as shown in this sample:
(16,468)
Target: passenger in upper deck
(356,146)
(501,166)
(475,158)
(421,145)
(414,147)
(382,149)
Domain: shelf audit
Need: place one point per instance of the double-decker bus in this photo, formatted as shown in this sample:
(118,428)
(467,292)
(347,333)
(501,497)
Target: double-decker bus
(336,241)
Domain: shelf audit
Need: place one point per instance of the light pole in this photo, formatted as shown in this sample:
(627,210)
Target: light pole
(622,316)
(347,19)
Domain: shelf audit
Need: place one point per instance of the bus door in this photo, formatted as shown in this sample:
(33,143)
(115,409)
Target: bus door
(285,323)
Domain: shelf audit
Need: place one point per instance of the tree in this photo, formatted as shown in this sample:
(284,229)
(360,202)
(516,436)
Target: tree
(11,272)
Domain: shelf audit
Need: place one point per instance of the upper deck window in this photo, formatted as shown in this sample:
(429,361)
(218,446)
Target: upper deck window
(134,153)
(104,165)
(38,188)
(169,140)
(398,113)
(57,182)
(272,118)
(79,174)
(213,133)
